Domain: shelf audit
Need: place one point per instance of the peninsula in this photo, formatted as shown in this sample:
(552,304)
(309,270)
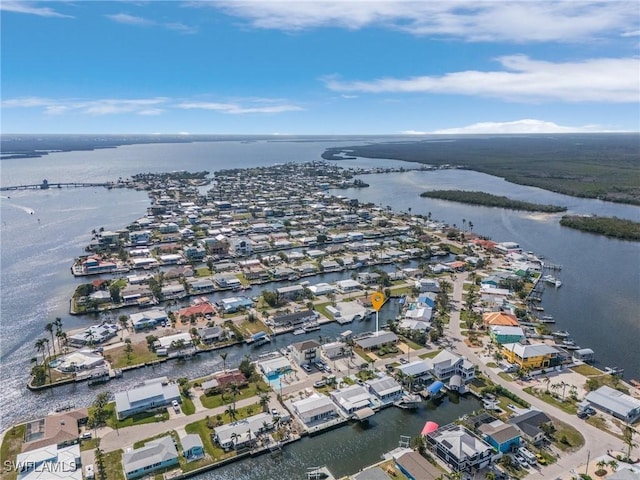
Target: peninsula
(489,200)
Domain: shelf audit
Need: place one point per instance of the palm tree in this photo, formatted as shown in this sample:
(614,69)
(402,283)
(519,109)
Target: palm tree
(223,355)
(234,439)
(39,346)
(601,464)
(234,389)
(264,401)
(547,381)
(231,411)
(49,328)
(613,465)
(627,438)
(124,324)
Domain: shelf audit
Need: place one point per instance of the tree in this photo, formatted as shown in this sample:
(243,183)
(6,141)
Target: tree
(264,401)
(418,443)
(124,323)
(232,413)
(613,465)
(246,367)
(601,465)
(39,346)
(627,438)
(99,456)
(224,355)
(114,291)
(49,328)
(234,389)
(547,381)
(128,349)
(100,414)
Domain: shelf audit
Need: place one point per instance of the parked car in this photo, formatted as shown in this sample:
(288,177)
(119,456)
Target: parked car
(306,367)
(403,360)
(88,472)
(176,406)
(319,383)
(275,412)
(86,436)
(522,461)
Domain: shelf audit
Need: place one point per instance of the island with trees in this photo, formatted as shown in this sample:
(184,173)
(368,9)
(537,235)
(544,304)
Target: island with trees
(489,200)
(609,226)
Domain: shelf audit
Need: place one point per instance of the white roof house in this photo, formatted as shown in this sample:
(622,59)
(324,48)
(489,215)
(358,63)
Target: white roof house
(314,408)
(273,365)
(351,398)
(459,448)
(150,394)
(147,318)
(322,289)
(416,369)
(243,431)
(50,463)
(447,364)
(616,403)
(348,285)
(385,388)
(165,342)
(80,360)
(155,455)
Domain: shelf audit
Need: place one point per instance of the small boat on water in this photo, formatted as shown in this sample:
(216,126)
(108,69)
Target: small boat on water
(311,327)
(408,402)
(550,279)
(560,334)
(298,331)
(614,370)
(547,319)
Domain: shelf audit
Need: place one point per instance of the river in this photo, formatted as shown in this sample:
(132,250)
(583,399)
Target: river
(598,302)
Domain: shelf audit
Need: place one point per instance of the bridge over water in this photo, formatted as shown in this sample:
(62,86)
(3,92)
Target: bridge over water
(45,185)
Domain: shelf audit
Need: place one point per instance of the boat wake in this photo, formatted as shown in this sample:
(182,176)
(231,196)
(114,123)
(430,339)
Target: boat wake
(28,210)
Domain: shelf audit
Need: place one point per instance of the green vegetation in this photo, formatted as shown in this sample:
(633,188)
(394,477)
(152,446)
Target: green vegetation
(601,166)
(188,408)
(489,200)
(11,447)
(613,381)
(609,226)
(138,353)
(568,405)
(219,399)
(113,465)
(586,370)
(90,444)
(204,428)
(566,437)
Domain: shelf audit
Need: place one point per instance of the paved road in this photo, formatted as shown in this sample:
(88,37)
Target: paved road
(597,442)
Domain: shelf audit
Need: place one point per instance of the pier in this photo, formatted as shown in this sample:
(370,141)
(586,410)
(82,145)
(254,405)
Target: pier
(45,185)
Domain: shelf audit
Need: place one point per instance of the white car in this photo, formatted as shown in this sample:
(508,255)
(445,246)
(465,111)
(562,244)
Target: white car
(176,406)
(88,472)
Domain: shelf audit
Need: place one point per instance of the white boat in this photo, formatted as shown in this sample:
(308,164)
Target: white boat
(552,280)
(409,401)
(299,331)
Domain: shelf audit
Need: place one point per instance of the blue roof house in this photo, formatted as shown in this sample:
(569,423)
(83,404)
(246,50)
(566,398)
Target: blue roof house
(192,447)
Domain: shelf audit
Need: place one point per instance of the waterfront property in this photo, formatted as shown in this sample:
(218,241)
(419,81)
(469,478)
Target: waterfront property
(295,318)
(147,319)
(416,467)
(616,403)
(385,389)
(502,334)
(60,430)
(377,340)
(151,394)
(275,365)
(314,409)
(533,356)
(242,434)
(459,448)
(192,448)
(305,352)
(80,360)
(351,399)
(153,456)
(50,462)
(446,366)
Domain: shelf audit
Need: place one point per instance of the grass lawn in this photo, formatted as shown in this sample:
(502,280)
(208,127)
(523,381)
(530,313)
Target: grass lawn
(137,419)
(11,447)
(253,327)
(213,451)
(140,354)
(598,422)
(218,400)
(362,354)
(88,444)
(113,465)
(188,408)
(242,279)
(203,272)
(586,370)
(321,308)
(391,468)
(492,364)
(411,344)
(566,406)
(566,437)
(506,376)
(430,354)
(400,290)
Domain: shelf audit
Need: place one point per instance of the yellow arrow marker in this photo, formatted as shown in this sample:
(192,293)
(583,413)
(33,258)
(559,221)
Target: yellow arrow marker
(377,300)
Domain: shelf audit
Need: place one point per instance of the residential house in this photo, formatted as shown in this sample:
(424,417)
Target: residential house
(59,430)
(416,467)
(531,425)
(234,304)
(147,319)
(305,352)
(347,286)
(377,340)
(211,335)
(447,365)
(505,334)
(500,319)
(149,395)
(295,318)
(385,389)
(616,403)
(459,448)
(201,285)
(50,462)
(336,350)
(417,370)
(503,436)
(290,292)
(275,365)
(351,398)
(192,448)
(153,456)
(532,357)
(242,434)
(315,408)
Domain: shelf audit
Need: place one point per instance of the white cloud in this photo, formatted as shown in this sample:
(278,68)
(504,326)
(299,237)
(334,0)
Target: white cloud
(134,20)
(234,108)
(31,9)
(147,106)
(526,125)
(473,20)
(522,79)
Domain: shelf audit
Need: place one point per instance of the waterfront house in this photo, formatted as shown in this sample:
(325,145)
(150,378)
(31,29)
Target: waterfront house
(199,310)
(346,312)
(385,389)
(211,335)
(147,319)
(346,286)
(242,434)
(351,399)
(503,436)
(277,364)
(171,342)
(93,335)
(294,319)
(153,456)
(234,304)
(531,424)
(532,357)
(60,430)
(173,291)
(505,334)
(417,370)
(80,360)
(305,352)
(377,340)
(446,366)
(586,355)
(315,408)
(201,285)
(150,394)
(334,350)
(616,403)
(416,467)
(290,292)
(459,448)
(50,462)
(192,448)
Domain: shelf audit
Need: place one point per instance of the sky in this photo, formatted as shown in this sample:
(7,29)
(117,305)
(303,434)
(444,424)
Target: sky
(320,67)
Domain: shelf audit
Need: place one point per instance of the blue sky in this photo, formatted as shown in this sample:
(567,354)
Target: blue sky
(320,67)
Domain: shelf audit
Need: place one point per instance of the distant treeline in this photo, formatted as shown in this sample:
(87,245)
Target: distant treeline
(489,200)
(609,226)
(603,166)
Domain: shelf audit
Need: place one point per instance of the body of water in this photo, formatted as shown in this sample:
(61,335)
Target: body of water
(42,232)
